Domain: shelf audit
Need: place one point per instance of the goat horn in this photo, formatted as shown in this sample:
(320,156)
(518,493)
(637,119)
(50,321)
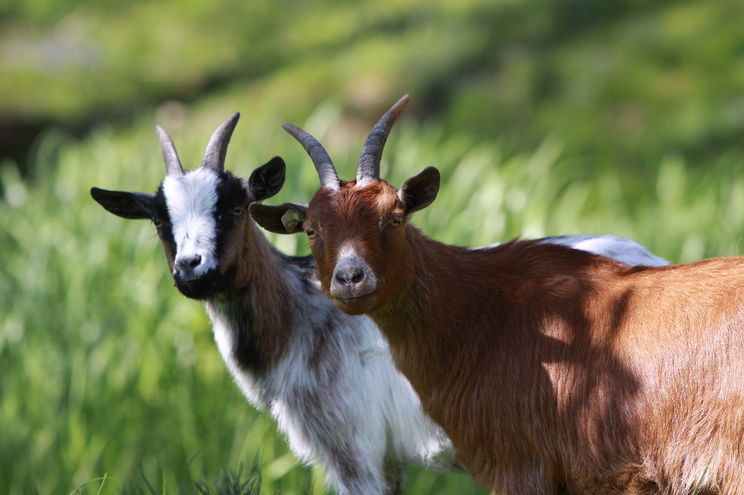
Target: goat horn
(214,157)
(321,159)
(172,163)
(369,161)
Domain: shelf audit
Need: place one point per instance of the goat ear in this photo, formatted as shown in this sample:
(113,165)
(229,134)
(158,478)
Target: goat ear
(268,179)
(419,191)
(286,218)
(132,205)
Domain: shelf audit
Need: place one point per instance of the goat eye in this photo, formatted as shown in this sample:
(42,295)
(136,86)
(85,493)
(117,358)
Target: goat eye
(237,211)
(157,222)
(395,221)
(310,232)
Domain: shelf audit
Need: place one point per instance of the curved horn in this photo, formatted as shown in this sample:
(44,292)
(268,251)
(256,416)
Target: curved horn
(369,161)
(321,159)
(172,163)
(214,157)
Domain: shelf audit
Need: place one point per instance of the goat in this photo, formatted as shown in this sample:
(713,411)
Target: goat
(552,370)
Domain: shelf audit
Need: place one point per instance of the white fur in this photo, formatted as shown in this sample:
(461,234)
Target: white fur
(192,201)
(618,248)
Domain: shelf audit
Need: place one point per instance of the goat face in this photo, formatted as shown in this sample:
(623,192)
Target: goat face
(201,216)
(358,237)
(356,229)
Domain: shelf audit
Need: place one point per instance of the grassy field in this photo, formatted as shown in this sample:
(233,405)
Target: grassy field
(543,117)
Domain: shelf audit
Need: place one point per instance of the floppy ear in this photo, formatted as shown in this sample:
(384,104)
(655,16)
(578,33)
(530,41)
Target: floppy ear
(132,205)
(268,179)
(419,191)
(286,218)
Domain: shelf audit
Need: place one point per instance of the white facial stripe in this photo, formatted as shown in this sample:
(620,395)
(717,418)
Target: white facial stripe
(346,251)
(192,202)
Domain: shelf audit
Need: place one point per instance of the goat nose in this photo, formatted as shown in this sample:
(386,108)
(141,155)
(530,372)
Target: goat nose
(349,275)
(352,278)
(189,262)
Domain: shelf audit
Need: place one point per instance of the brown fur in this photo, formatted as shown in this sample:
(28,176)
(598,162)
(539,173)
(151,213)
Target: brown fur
(554,370)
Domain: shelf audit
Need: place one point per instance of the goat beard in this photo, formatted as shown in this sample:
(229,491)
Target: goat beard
(207,286)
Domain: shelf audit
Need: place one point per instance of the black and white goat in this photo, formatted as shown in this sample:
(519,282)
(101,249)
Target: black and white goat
(327,378)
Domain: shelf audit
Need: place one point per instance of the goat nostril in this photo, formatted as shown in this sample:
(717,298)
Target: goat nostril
(357,276)
(352,275)
(189,263)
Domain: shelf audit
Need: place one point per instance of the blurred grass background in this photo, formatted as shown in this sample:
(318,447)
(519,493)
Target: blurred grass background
(545,117)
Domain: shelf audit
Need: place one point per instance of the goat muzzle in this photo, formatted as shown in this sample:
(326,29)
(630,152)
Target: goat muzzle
(353,280)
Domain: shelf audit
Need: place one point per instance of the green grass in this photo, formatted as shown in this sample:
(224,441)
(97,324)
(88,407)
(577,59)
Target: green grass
(108,371)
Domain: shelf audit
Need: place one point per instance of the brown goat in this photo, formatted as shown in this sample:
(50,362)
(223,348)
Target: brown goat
(552,370)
